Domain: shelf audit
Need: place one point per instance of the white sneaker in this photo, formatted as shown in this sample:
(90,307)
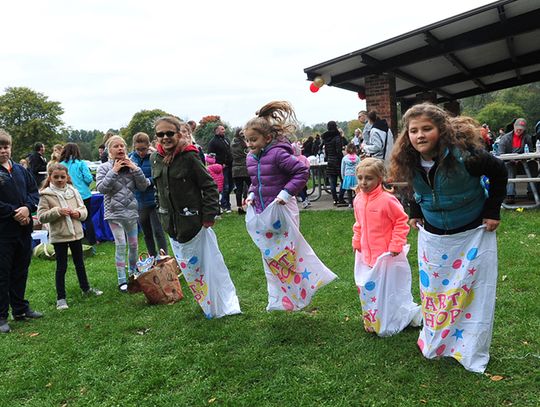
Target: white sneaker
(305,204)
(417,320)
(61,304)
(93,291)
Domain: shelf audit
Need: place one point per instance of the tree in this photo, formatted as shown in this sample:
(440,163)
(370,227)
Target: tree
(527,97)
(498,114)
(205,131)
(352,126)
(30,118)
(142,121)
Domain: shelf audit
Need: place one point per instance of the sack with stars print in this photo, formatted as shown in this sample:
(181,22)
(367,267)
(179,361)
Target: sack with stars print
(385,293)
(458,281)
(206,274)
(293,271)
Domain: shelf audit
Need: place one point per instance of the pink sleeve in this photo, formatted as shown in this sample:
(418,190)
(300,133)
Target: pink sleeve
(357,234)
(401,228)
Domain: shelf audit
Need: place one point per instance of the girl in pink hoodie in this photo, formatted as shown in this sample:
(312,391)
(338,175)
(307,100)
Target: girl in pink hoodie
(216,171)
(381,223)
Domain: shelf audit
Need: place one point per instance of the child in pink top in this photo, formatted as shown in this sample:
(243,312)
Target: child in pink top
(380,230)
(216,171)
(381,223)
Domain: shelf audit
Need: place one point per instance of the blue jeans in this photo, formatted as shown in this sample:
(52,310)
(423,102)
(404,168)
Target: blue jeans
(515,168)
(148,218)
(225,201)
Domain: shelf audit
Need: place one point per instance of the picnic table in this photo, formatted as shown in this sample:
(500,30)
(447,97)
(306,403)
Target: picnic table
(317,173)
(528,179)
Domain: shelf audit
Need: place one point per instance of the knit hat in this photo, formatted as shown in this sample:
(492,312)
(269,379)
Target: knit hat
(520,124)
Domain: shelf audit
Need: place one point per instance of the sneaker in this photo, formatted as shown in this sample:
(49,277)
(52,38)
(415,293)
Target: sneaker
(123,288)
(93,291)
(228,210)
(61,304)
(241,211)
(4,326)
(30,314)
(305,204)
(510,199)
(341,204)
(350,206)
(417,320)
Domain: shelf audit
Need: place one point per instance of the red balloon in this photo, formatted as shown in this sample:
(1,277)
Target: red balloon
(361,95)
(313,88)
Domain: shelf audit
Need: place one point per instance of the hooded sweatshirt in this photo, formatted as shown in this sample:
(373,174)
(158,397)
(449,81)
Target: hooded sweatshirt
(381,224)
(379,135)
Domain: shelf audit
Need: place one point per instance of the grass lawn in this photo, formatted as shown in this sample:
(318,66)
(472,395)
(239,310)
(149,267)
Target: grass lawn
(117,351)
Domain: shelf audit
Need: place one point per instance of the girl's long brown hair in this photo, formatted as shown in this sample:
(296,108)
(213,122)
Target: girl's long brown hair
(276,118)
(461,132)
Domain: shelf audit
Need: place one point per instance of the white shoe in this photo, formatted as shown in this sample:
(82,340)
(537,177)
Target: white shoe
(305,204)
(93,291)
(61,304)
(417,320)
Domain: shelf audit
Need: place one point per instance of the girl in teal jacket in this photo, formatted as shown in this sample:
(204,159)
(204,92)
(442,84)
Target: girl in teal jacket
(442,158)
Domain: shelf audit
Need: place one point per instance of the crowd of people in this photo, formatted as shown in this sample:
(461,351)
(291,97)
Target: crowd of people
(174,190)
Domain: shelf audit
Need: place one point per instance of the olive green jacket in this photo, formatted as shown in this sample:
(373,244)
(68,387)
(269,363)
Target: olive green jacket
(186,195)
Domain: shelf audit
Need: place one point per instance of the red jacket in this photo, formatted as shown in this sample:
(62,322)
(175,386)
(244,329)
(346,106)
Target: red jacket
(381,224)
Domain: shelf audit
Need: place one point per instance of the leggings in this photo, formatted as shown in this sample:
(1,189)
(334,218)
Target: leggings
(120,229)
(61,251)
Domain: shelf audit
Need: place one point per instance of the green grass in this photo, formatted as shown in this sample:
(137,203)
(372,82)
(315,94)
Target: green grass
(117,351)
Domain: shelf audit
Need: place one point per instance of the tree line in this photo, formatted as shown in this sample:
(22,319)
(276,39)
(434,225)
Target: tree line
(30,117)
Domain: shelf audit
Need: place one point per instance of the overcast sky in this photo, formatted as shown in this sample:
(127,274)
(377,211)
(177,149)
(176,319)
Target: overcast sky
(106,60)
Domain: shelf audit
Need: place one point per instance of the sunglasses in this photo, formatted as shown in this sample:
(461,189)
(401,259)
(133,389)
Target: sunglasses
(169,134)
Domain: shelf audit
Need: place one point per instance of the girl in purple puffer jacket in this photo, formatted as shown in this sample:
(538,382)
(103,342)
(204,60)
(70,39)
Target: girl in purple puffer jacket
(276,174)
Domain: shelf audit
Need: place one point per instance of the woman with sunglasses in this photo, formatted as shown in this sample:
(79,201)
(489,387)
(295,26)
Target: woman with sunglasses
(188,202)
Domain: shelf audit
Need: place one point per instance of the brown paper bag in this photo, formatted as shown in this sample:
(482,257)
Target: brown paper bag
(160,284)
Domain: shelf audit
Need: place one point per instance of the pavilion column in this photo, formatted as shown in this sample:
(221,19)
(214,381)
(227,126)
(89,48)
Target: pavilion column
(381,97)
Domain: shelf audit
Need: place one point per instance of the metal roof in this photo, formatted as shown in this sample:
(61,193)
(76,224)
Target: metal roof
(492,47)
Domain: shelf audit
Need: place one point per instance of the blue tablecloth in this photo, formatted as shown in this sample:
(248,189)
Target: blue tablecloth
(103,231)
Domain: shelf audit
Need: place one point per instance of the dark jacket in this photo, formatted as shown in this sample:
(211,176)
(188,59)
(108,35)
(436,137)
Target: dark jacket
(36,164)
(146,198)
(317,145)
(220,146)
(333,151)
(307,148)
(187,195)
(451,199)
(505,144)
(16,189)
(239,153)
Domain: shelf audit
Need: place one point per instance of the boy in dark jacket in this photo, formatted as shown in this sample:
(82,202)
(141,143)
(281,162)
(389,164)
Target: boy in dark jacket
(18,199)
